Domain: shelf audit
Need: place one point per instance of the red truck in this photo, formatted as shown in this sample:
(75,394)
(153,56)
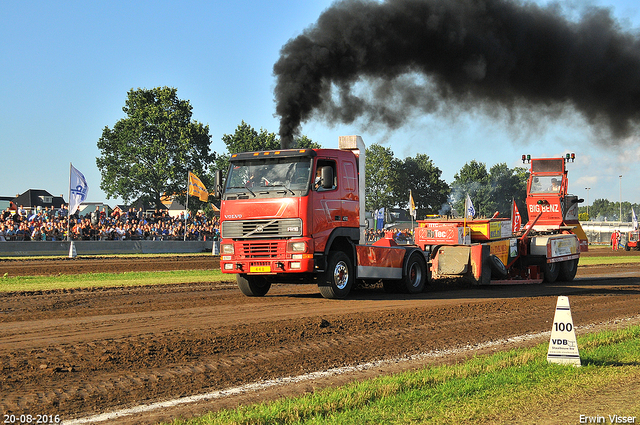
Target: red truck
(297,216)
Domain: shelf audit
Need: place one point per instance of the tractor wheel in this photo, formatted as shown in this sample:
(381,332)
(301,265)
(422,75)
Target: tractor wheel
(253,286)
(498,269)
(627,247)
(568,270)
(551,272)
(415,279)
(337,280)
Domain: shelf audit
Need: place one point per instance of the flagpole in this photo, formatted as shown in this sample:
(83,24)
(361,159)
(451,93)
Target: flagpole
(411,210)
(69,201)
(464,226)
(186,210)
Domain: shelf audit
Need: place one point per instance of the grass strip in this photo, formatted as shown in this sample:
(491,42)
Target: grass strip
(516,386)
(92,280)
(604,260)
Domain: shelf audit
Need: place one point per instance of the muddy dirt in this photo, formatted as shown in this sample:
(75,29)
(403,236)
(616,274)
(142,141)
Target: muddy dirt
(75,353)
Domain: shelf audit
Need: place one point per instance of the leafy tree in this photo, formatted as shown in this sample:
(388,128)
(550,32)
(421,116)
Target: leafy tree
(381,170)
(422,177)
(149,153)
(247,139)
(473,180)
(507,185)
(490,191)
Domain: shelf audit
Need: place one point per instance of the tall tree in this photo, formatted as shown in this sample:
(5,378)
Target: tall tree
(148,153)
(490,190)
(473,180)
(382,174)
(247,139)
(422,177)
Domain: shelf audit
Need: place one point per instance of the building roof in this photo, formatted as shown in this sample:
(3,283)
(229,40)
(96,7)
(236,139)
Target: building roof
(38,198)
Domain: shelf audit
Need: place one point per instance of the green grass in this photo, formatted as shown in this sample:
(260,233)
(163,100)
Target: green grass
(91,280)
(598,261)
(506,387)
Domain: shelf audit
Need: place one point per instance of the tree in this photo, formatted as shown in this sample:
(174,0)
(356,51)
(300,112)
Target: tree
(507,185)
(247,139)
(473,180)
(382,174)
(490,191)
(422,177)
(149,153)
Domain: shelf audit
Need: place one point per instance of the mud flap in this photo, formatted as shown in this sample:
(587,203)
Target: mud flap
(481,264)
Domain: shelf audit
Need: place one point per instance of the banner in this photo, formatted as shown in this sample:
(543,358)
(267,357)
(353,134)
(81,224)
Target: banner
(78,189)
(380,218)
(469,211)
(196,188)
(516,220)
(412,205)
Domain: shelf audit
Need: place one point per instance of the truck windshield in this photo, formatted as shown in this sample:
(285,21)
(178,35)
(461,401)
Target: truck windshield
(270,176)
(545,184)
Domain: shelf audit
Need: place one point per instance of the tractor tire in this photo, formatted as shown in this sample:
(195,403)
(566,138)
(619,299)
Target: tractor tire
(568,270)
(498,269)
(338,278)
(626,247)
(551,272)
(253,286)
(415,278)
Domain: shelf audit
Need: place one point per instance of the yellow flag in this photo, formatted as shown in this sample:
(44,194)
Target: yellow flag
(412,210)
(196,188)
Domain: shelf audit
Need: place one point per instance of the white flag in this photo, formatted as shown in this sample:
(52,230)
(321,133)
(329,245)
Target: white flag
(468,207)
(634,218)
(78,190)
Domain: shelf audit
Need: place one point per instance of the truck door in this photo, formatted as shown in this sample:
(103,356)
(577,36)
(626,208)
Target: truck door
(327,204)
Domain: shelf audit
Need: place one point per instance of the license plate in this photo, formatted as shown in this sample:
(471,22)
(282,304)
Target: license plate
(260,269)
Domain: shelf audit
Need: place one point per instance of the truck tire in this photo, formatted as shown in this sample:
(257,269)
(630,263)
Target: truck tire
(253,286)
(337,279)
(414,281)
(498,269)
(568,270)
(551,272)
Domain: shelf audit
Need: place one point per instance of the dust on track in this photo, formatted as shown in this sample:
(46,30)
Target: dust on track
(76,353)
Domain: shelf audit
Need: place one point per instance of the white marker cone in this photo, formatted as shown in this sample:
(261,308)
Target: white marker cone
(563,346)
(72,250)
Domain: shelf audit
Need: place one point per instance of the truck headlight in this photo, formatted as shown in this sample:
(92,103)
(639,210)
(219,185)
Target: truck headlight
(227,248)
(300,246)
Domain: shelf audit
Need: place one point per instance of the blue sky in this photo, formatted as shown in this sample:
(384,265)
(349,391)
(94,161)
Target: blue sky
(66,68)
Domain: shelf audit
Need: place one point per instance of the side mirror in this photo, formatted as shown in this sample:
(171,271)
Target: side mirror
(217,178)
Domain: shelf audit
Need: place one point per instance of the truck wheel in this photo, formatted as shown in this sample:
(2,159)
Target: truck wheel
(550,271)
(414,281)
(337,280)
(568,270)
(498,269)
(253,286)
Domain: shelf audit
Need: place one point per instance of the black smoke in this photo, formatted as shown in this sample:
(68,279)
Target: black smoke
(418,55)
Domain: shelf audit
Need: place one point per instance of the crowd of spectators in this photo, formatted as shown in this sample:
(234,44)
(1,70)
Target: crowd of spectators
(400,236)
(51,224)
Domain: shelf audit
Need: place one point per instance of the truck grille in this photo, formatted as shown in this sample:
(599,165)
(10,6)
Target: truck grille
(276,228)
(258,250)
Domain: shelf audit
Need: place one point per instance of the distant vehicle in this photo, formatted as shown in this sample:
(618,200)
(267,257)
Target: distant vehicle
(633,240)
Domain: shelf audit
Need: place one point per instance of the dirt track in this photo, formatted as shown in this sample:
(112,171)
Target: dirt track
(80,352)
